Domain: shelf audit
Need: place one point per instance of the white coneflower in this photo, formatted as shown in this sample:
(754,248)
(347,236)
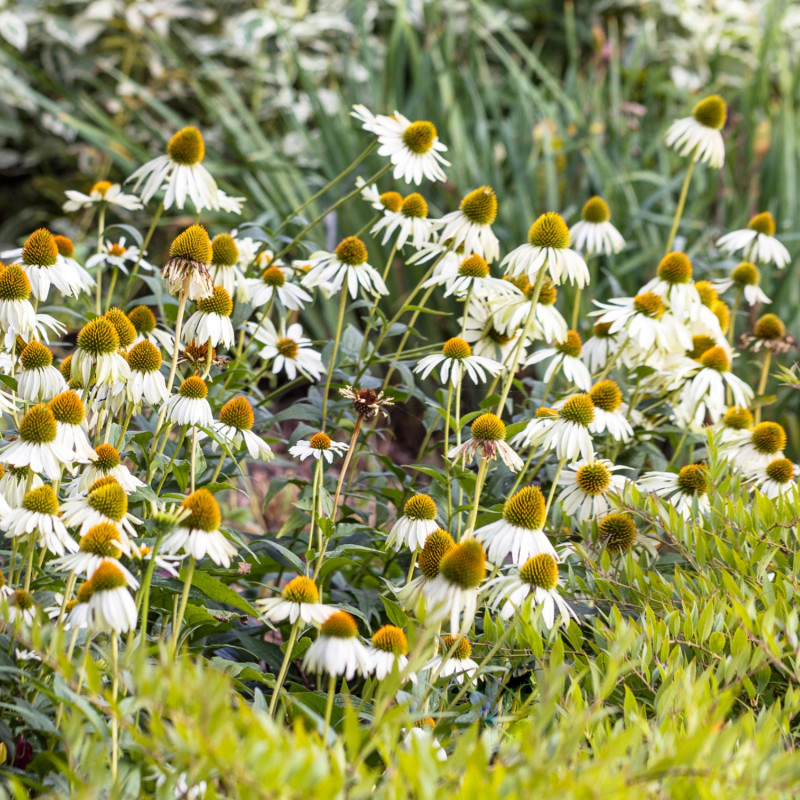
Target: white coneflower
(746,277)
(456,360)
(735,420)
(519,533)
(224,267)
(45,266)
(17,316)
(757,241)
(78,609)
(704,393)
(681,490)
(673,282)
(180,173)
(470,274)
(289,351)
(471,226)
(482,333)
(548,246)
(299,600)
(38,516)
(37,446)
(40,380)
(413,147)
(488,436)
(146,327)
(187,267)
(108,463)
(644,322)
(14,484)
(537,579)
(319,446)
(777,479)
(337,650)
(513,307)
(414,594)
(21,607)
(417,522)
(608,411)
(235,426)
(146,381)
(388,651)
(274,283)
(70,416)
(410,222)
(66,250)
(97,359)
(107,503)
(594,234)
(459,665)
(588,485)
(198,534)
(101,543)
(755,448)
(118,254)
(421,736)
(102,193)
(569,435)
(533,434)
(600,347)
(190,405)
(231,205)
(565,357)
(617,533)
(111,605)
(348,262)
(453,593)
(212,320)
(699,135)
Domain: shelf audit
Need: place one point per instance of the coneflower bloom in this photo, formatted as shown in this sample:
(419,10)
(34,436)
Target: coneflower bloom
(106,462)
(600,347)
(777,479)
(594,234)
(757,241)
(752,449)
(118,254)
(617,533)
(187,268)
(17,315)
(519,533)
(97,360)
(45,266)
(482,333)
(107,503)
(746,277)
(421,735)
(437,544)
(533,434)
(100,543)
(37,446)
(319,446)
(413,147)
(453,593)
(103,192)
(212,320)
(347,263)
(456,360)
(471,273)
(224,268)
(38,516)
(569,435)
(388,651)
(548,246)
(410,222)
(608,412)
(587,486)
(111,605)
(417,522)
(21,607)
(299,600)
(512,308)
(682,490)
(274,283)
(459,665)
(566,358)
(289,351)
(190,405)
(180,173)
(146,327)
(198,534)
(536,579)
(14,483)
(735,420)
(673,282)
(235,426)
(471,226)
(146,381)
(40,380)
(78,609)
(66,249)
(70,416)
(337,650)
(699,135)
(488,436)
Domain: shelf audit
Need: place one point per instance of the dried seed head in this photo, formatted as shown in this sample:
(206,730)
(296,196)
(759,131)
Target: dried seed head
(526,509)
(770,327)
(187,146)
(540,571)
(549,230)
(711,112)
(618,531)
(238,413)
(224,251)
(40,249)
(204,511)
(480,206)
(465,564)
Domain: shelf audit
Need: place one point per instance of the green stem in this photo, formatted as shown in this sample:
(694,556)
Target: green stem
(114,716)
(734,311)
(144,589)
(142,249)
(329,706)
(762,381)
(367,324)
(187,584)
(681,204)
(172,460)
(448,476)
(29,561)
(553,487)
(334,352)
(101,225)
(110,292)
(314,490)
(287,658)
(481,477)
(193,458)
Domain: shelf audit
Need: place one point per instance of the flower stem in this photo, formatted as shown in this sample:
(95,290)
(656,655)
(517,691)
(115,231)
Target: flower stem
(762,381)
(142,249)
(334,352)
(101,225)
(481,477)
(681,204)
(553,487)
(446,450)
(192,458)
(314,490)
(329,706)
(734,311)
(144,590)
(114,717)
(187,584)
(287,658)
(172,460)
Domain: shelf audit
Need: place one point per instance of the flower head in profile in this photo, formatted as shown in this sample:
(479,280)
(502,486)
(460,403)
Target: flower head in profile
(414,594)
(569,435)
(235,426)
(106,502)
(190,405)
(224,268)
(146,326)
(565,357)
(746,277)
(187,268)
(699,135)
(299,600)
(107,462)
(17,315)
(456,360)
(273,283)
(413,148)
(212,320)
(533,434)
(347,263)
(99,544)
(102,193)
(409,221)
(682,490)
(453,593)
(146,381)
(673,283)
(757,241)
(118,254)
(39,517)
(40,380)
(470,227)
(37,446)
(752,448)
(337,650)
(467,275)
(388,651)
(483,333)
(769,333)
(455,660)
(594,234)
(45,266)
(488,437)
(617,533)
(320,445)
(608,411)
(111,604)
(548,247)
(180,172)
(417,522)
(513,306)
(777,479)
